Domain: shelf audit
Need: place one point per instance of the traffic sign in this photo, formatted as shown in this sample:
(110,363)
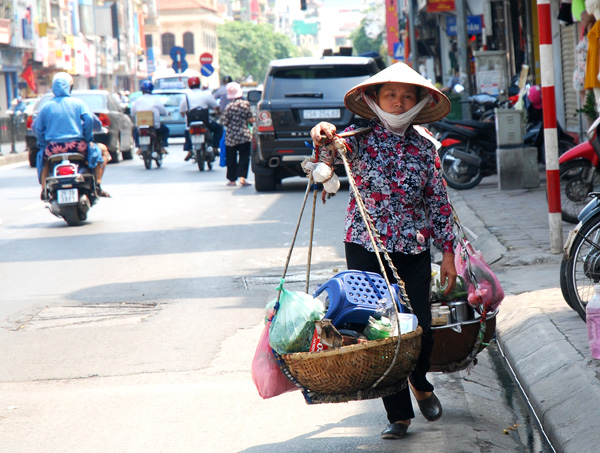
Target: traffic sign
(178,56)
(399,51)
(180,66)
(177,53)
(206,58)
(206,70)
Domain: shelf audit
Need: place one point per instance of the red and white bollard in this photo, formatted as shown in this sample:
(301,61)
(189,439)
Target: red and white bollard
(550,134)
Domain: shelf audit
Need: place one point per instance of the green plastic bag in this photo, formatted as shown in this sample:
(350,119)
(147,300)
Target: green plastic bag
(293,325)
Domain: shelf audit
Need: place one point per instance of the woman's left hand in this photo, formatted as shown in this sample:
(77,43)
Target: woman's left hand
(448,272)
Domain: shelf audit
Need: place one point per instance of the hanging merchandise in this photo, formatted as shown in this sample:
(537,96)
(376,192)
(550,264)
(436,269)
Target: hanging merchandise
(293,325)
(483,286)
(565,14)
(577,8)
(266,375)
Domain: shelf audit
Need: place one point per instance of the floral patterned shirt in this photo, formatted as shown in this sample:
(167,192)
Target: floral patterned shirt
(401,184)
(235,119)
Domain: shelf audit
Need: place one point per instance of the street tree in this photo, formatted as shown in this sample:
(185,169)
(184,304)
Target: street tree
(246,49)
(369,36)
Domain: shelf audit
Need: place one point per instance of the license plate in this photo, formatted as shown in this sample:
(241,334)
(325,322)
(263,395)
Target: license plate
(144,140)
(197,139)
(67,196)
(320,114)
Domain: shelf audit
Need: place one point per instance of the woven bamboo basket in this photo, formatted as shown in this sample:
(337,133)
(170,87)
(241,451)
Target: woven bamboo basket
(348,373)
(451,349)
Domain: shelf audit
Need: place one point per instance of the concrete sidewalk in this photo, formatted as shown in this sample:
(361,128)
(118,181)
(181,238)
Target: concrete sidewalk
(544,340)
(8,157)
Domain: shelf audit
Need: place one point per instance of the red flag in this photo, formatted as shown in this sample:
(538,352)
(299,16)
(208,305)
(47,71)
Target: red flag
(29,78)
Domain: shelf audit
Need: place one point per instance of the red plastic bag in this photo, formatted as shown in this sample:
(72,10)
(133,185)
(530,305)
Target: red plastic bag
(482,284)
(267,376)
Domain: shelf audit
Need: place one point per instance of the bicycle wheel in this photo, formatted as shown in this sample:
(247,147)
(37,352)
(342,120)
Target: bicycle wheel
(582,268)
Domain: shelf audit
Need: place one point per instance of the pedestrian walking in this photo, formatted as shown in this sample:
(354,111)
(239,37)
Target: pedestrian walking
(237,119)
(397,173)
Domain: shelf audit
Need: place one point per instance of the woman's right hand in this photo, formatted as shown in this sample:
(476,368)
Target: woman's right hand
(322,133)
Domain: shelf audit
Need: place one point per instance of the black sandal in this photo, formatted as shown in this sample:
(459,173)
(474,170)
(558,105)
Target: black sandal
(431,408)
(102,193)
(394,431)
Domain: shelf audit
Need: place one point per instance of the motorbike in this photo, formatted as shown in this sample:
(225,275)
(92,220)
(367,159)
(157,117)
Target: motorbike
(468,152)
(201,138)
(483,106)
(70,187)
(580,266)
(579,170)
(149,146)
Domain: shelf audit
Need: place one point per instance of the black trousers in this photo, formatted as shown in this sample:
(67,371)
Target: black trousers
(415,272)
(237,168)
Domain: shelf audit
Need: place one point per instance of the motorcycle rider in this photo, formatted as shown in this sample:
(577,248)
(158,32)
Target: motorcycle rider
(199,99)
(148,102)
(533,104)
(65,124)
(220,94)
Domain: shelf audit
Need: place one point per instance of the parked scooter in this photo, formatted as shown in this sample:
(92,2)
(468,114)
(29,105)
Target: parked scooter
(579,170)
(580,267)
(149,144)
(534,130)
(70,187)
(483,106)
(468,150)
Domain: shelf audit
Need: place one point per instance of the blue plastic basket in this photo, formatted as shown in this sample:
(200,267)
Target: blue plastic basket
(354,296)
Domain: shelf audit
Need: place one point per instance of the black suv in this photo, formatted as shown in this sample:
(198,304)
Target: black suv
(298,93)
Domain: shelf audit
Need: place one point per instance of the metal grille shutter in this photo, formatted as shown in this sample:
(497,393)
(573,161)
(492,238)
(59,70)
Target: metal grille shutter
(568,43)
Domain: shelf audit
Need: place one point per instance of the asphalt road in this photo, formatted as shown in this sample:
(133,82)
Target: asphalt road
(135,332)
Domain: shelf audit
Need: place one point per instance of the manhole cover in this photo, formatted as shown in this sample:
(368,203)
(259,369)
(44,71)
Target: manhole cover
(292,281)
(83,316)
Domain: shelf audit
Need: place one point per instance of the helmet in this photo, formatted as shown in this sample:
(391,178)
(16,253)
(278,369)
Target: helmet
(227,79)
(146,87)
(194,82)
(63,75)
(535,96)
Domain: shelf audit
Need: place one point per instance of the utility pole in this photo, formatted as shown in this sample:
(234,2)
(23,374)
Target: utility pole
(414,49)
(463,57)
(550,125)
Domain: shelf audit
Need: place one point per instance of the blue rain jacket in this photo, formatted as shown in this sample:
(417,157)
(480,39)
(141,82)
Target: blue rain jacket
(65,119)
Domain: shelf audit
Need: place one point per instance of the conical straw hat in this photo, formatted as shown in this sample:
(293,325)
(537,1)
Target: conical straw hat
(400,72)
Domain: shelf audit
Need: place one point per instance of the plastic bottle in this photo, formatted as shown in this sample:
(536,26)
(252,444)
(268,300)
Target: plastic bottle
(592,319)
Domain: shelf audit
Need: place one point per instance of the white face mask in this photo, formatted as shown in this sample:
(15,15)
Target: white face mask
(396,123)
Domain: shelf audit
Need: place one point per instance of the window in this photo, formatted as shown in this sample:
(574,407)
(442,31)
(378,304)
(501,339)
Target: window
(188,42)
(321,82)
(87,19)
(149,42)
(168,42)
(94,101)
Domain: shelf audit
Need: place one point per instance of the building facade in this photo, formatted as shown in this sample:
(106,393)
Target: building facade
(98,42)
